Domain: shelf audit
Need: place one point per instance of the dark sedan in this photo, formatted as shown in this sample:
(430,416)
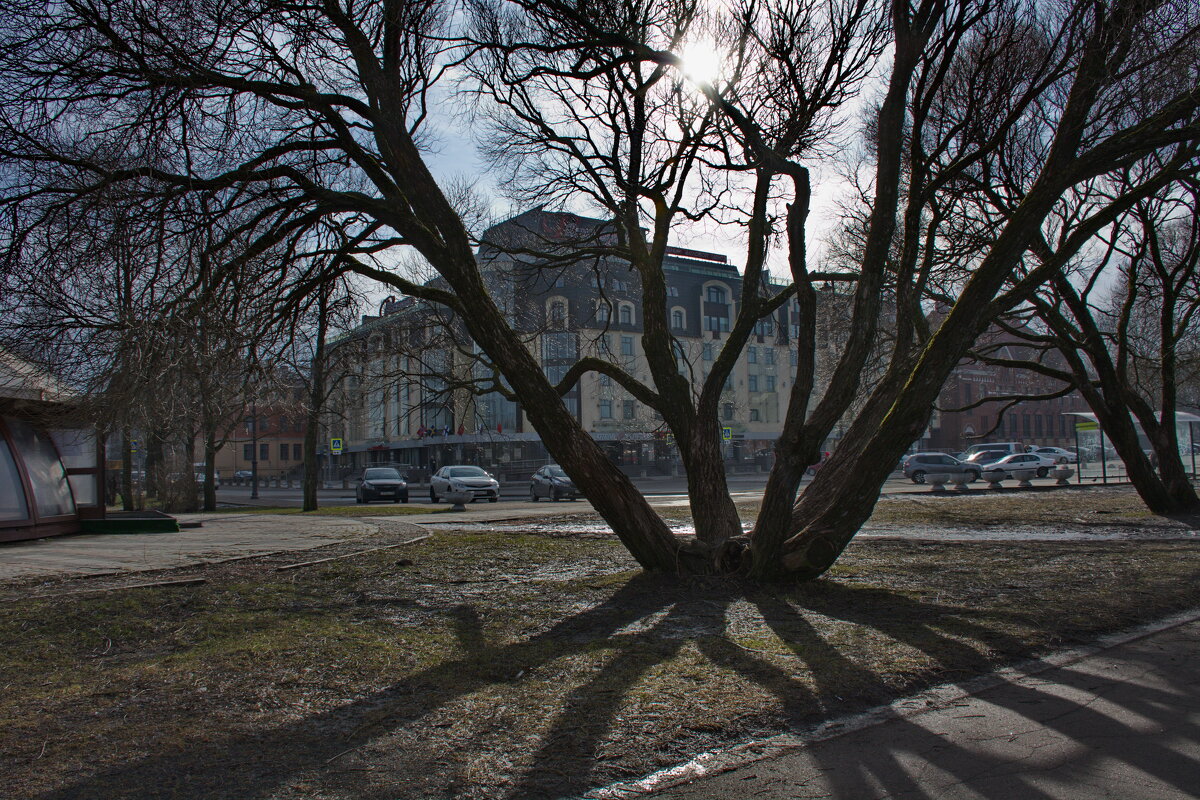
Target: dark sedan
(551,481)
(382,483)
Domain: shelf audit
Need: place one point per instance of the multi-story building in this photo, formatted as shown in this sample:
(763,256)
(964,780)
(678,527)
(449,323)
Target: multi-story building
(401,400)
(1033,422)
(401,404)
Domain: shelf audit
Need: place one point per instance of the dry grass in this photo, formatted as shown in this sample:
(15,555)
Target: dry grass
(512,665)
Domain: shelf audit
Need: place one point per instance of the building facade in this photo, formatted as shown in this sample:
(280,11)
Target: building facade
(400,406)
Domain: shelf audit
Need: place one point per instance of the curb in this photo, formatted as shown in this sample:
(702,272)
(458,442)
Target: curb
(715,762)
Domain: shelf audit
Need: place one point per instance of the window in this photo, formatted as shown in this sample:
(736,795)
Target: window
(769,355)
(264,452)
(606,409)
(706,352)
(752,354)
(559,347)
(248,452)
(727,411)
(794,358)
(626,345)
(752,383)
(602,312)
(297,452)
(626,314)
(672,291)
(558,313)
(716,323)
(754,415)
(284,450)
(770,383)
(715,294)
(677,318)
(606,381)
(628,410)
(560,281)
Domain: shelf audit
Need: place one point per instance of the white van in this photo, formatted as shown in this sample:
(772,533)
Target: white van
(1008,447)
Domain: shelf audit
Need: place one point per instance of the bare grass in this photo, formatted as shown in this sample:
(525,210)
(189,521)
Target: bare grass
(506,665)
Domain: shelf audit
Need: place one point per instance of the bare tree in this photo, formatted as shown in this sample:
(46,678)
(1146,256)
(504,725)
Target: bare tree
(1121,320)
(990,112)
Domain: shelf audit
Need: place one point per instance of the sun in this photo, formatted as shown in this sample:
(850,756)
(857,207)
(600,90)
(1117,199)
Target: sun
(702,62)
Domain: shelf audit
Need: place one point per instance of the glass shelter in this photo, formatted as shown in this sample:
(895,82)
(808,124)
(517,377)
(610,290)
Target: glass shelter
(51,467)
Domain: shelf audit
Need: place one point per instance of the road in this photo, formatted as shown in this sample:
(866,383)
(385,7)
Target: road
(746,486)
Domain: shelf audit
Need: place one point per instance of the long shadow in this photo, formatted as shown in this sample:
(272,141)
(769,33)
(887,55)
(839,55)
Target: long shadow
(904,759)
(253,765)
(883,772)
(565,762)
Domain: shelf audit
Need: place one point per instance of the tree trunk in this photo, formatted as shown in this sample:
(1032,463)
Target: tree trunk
(210,471)
(127,469)
(316,403)
(713,511)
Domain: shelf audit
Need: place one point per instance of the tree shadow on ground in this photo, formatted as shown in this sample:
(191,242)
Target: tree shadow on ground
(1120,726)
(664,613)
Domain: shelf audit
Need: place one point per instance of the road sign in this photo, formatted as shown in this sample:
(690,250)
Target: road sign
(335,446)
(727,433)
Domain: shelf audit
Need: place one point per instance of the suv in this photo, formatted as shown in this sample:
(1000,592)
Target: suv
(917,465)
(382,483)
(472,480)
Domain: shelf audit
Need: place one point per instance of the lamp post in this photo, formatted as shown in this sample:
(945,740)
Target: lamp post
(253,449)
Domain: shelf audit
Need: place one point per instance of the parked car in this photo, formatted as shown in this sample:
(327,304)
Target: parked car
(553,482)
(981,457)
(1017,461)
(464,479)
(1060,454)
(243,475)
(382,483)
(1008,447)
(918,465)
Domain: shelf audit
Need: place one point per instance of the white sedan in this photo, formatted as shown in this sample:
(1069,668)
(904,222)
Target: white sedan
(1018,461)
(472,480)
(1059,454)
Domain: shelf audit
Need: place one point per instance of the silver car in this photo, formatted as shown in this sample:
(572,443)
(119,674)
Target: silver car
(918,465)
(472,480)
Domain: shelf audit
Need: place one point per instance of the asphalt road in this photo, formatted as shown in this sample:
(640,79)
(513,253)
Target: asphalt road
(518,490)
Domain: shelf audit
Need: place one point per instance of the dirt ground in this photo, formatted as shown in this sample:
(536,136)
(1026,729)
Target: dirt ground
(529,663)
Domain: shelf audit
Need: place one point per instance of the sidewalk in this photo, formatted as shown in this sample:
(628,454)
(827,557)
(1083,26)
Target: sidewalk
(221,538)
(1121,722)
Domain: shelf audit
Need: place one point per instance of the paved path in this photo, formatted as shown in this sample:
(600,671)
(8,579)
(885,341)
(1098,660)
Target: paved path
(221,538)
(1123,722)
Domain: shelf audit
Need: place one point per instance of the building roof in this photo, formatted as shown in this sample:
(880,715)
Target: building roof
(20,380)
